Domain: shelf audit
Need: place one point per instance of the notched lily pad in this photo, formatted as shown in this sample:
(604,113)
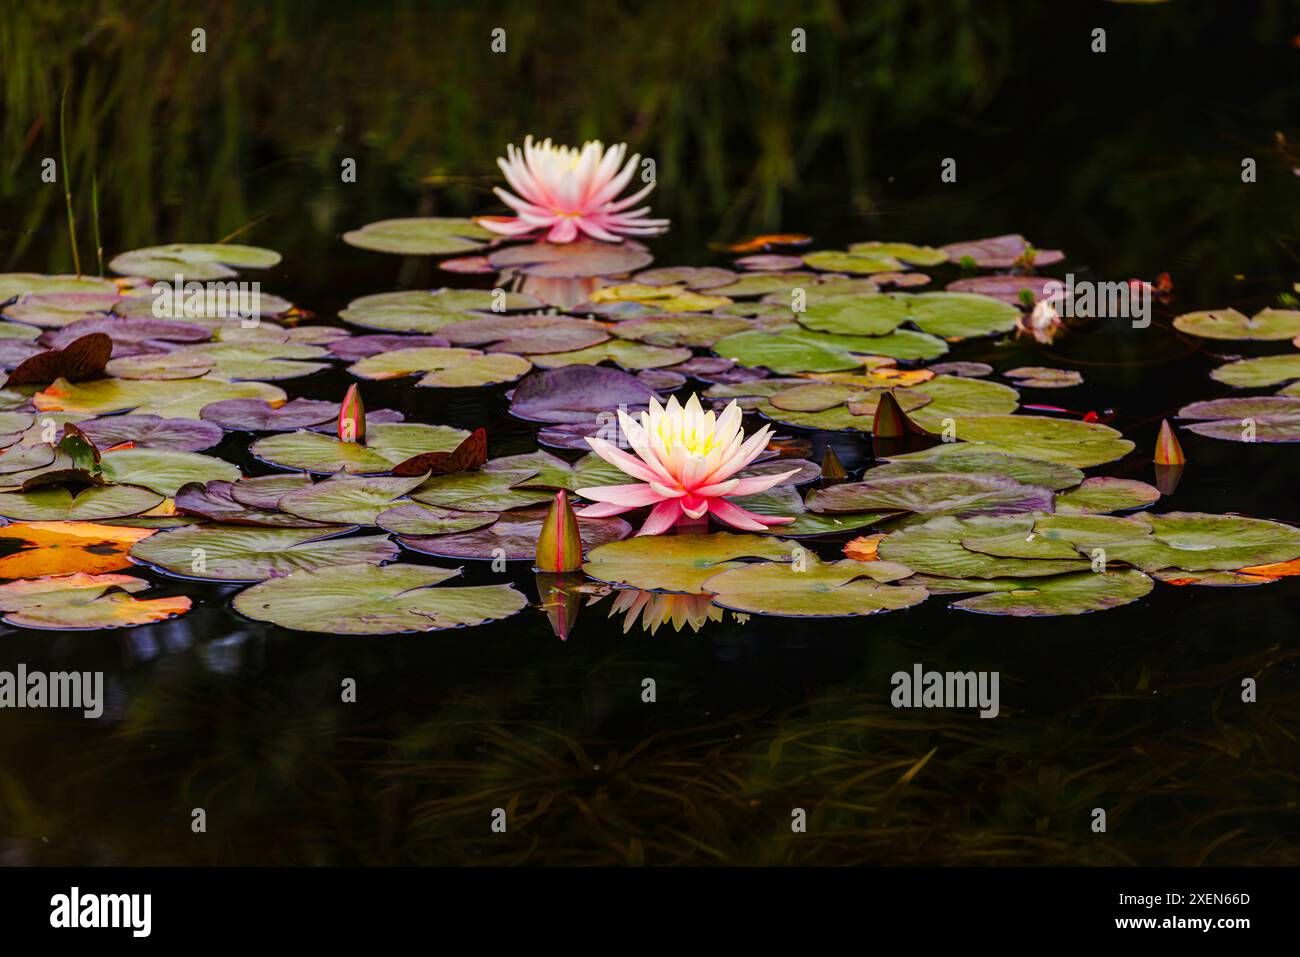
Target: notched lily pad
(84,601)
(197,261)
(236,553)
(680,563)
(421,236)
(513,537)
(370,600)
(810,588)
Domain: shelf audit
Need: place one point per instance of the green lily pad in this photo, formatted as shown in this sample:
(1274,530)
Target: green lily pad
(161,365)
(790,349)
(1076,594)
(679,563)
(371,600)
(164,470)
(428,310)
(443,368)
(551,471)
(811,588)
(628,355)
(421,236)
(833,260)
(785,501)
(936,548)
(1257,373)
(194,261)
(680,330)
(488,490)
(238,553)
(415,519)
(513,537)
(1063,441)
(1055,536)
(962,457)
(14,284)
(348,500)
(265,491)
(1267,324)
(765,284)
(386,445)
(87,505)
(1104,494)
(1200,541)
(1265,418)
(174,399)
(908,253)
(947,314)
(935,494)
(260,360)
(957,397)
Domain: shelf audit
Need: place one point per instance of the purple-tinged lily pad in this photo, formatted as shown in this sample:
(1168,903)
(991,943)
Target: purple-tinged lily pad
(354,348)
(1007,288)
(769,262)
(662,380)
(265,491)
(258,415)
(967,370)
(572,260)
(526,334)
(415,519)
(215,502)
(1044,377)
(131,337)
(957,494)
(577,394)
(513,536)
(152,432)
(692,277)
(1000,252)
(348,499)
(1264,418)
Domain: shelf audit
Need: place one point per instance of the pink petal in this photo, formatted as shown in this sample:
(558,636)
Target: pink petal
(603,510)
(662,517)
(737,517)
(631,496)
(750,485)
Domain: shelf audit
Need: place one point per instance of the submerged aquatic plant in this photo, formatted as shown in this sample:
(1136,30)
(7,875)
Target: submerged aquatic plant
(686,459)
(564,192)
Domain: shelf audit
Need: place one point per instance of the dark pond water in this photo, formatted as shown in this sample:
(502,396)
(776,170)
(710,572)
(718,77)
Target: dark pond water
(1129,161)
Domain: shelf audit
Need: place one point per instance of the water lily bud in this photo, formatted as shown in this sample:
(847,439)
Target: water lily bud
(890,421)
(832,468)
(559,546)
(1168,451)
(352,417)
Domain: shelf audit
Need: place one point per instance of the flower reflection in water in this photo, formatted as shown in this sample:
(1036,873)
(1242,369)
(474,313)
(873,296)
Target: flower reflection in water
(655,608)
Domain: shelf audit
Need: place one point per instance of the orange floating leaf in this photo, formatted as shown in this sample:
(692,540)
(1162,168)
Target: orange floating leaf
(767,241)
(863,548)
(39,549)
(81,600)
(1276,570)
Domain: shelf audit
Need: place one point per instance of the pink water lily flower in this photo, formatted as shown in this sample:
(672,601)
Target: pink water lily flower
(686,459)
(563,191)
